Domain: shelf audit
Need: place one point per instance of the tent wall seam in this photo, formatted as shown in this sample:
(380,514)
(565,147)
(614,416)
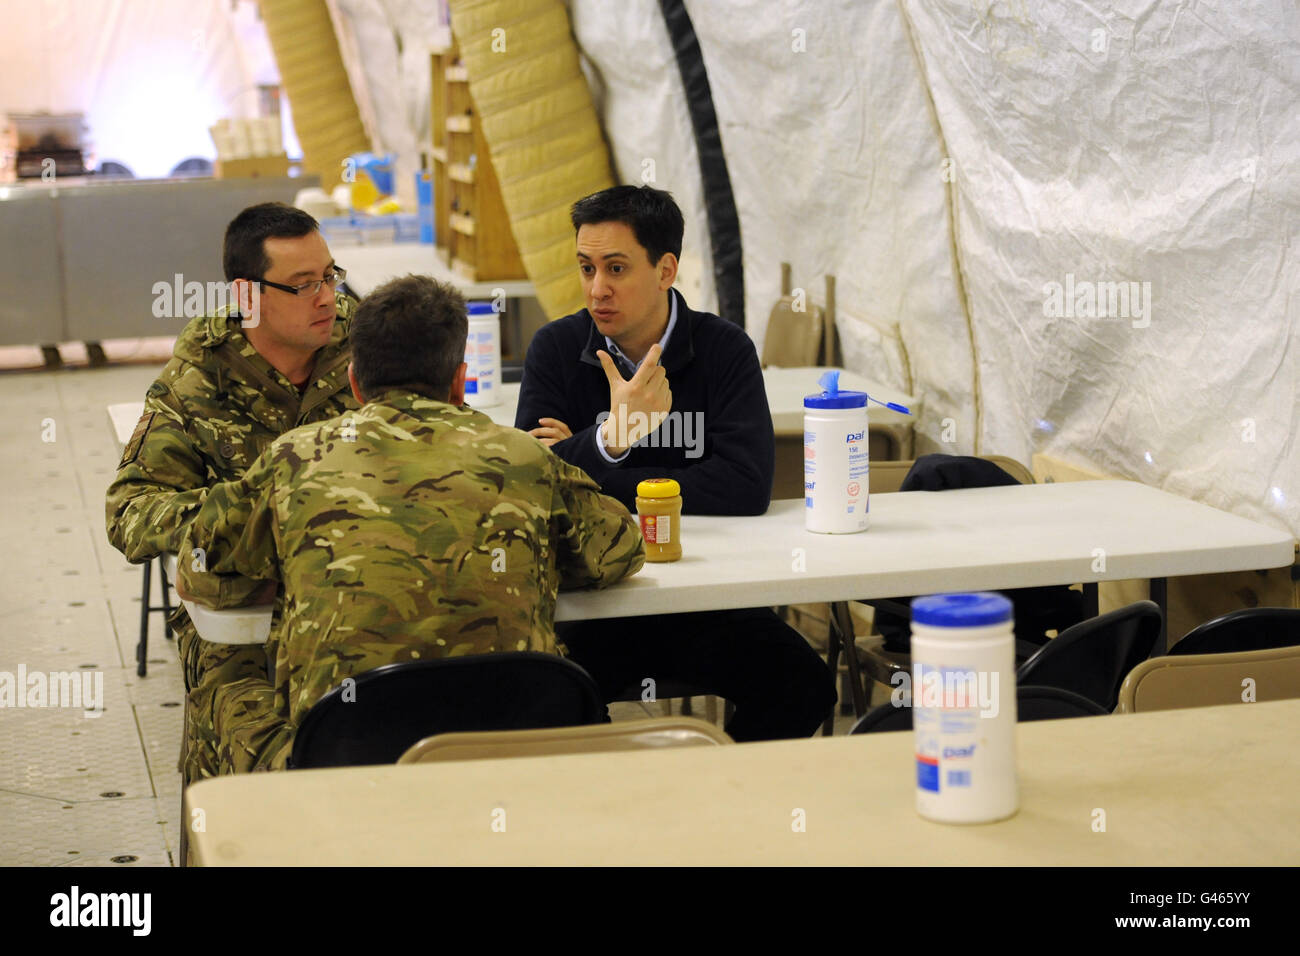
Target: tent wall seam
(951,205)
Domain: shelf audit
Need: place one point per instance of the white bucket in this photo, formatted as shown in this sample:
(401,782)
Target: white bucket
(483,356)
(964,707)
(835,462)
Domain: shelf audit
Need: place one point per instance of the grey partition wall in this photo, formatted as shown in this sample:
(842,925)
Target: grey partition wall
(31,280)
(90,254)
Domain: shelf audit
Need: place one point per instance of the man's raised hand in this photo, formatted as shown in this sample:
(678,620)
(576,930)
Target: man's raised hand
(637,406)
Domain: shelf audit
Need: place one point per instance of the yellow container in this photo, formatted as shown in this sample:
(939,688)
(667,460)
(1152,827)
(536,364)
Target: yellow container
(659,509)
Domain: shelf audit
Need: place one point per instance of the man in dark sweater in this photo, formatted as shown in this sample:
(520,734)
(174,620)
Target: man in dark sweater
(638,385)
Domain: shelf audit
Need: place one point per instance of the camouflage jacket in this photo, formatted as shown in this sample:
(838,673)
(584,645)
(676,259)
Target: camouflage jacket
(216,405)
(410,529)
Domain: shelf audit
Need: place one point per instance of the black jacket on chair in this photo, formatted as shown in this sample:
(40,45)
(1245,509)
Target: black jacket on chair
(1037,610)
(941,472)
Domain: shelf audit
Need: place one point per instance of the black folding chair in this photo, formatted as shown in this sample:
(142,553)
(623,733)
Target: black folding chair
(1093,657)
(142,646)
(1251,629)
(384,711)
(1032,703)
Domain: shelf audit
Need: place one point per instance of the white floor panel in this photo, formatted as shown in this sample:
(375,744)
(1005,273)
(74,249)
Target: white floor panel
(78,791)
(118,832)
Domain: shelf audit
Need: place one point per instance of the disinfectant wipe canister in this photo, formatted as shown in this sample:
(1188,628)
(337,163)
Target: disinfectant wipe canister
(835,459)
(964,707)
(483,356)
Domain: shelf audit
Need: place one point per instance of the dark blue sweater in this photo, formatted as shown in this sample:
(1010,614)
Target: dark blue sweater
(712,369)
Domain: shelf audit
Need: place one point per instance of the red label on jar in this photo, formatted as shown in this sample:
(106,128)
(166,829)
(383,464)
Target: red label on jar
(655,531)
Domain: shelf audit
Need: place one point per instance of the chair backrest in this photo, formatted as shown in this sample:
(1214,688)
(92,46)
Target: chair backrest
(886,477)
(1035,702)
(388,709)
(194,166)
(1032,703)
(1012,468)
(1172,682)
(1251,629)
(111,168)
(1093,657)
(793,339)
(653,734)
(883,719)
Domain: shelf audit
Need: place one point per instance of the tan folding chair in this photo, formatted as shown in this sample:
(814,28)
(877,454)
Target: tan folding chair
(652,734)
(1203,680)
(793,338)
(1012,468)
(886,477)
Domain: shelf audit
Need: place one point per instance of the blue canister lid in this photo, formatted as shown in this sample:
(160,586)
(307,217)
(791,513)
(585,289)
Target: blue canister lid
(838,400)
(832,397)
(481,308)
(961,610)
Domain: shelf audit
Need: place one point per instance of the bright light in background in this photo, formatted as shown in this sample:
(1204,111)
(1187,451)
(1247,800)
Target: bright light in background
(152,120)
(1278,496)
(1149,459)
(1045,426)
(150,75)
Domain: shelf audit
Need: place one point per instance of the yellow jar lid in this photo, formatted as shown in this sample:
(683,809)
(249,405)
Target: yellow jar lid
(658,488)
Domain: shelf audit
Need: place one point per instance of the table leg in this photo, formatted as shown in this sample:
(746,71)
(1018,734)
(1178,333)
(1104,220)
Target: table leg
(833,662)
(1089,600)
(142,648)
(843,621)
(1160,594)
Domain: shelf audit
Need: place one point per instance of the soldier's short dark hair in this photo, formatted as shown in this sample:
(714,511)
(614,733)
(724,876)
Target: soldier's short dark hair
(409,333)
(651,214)
(243,254)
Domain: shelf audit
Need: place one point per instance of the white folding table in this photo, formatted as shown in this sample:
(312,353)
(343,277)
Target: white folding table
(927,542)
(1210,786)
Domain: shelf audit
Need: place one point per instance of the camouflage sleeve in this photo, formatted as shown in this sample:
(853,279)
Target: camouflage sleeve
(231,541)
(597,539)
(159,484)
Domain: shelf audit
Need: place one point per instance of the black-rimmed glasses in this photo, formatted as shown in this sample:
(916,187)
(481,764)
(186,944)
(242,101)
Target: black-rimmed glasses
(334,280)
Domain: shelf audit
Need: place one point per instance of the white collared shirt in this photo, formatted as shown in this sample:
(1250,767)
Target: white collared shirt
(623,363)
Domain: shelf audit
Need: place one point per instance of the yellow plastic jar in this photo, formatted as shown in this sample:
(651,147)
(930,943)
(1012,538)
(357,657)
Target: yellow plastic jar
(659,508)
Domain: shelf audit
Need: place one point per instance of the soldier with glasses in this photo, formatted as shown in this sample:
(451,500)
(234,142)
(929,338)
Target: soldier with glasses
(237,380)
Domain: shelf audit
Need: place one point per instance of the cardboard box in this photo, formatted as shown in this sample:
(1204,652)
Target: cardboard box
(251,168)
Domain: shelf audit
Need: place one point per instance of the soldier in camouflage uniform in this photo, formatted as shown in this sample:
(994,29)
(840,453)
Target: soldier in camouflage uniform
(235,383)
(414,528)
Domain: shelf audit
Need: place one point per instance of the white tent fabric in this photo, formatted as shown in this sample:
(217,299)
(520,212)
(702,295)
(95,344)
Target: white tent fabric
(835,165)
(150,75)
(963,168)
(1112,143)
(1140,143)
(644,112)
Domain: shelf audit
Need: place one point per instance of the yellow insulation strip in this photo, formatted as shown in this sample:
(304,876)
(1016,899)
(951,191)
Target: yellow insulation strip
(325,114)
(541,127)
